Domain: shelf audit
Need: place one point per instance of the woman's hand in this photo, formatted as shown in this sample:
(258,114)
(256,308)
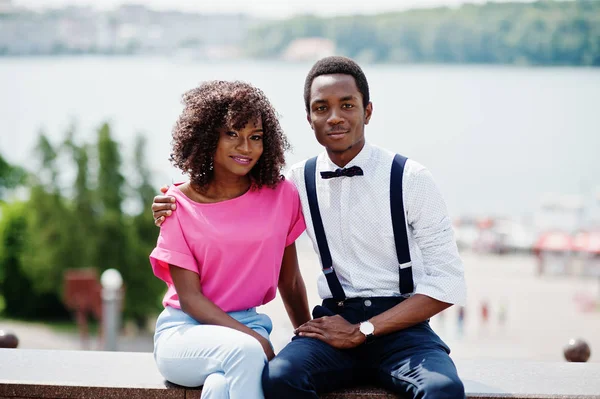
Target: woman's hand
(266,345)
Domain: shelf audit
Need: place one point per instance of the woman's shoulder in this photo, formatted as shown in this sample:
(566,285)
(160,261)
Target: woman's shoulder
(184,203)
(182,192)
(175,190)
(286,188)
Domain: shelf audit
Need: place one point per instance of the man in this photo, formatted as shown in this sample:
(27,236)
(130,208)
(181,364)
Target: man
(382,281)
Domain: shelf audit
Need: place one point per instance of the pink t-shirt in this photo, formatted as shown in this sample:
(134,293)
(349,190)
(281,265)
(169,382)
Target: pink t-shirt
(235,246)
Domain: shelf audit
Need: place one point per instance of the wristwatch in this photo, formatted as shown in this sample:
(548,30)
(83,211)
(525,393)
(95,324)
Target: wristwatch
(367,328)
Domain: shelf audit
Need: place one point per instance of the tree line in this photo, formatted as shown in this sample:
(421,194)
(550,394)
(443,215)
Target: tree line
(540,33)
(70,222)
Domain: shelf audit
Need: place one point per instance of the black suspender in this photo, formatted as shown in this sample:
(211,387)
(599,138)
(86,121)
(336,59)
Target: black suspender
(398,224)
(311,191)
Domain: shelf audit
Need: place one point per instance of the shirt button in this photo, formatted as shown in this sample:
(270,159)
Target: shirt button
(367,302)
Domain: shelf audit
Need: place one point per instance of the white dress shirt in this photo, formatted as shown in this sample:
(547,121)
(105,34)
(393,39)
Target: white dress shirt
(357,222)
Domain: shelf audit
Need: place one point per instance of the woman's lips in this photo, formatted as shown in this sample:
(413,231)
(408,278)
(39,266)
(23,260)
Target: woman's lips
(241,160)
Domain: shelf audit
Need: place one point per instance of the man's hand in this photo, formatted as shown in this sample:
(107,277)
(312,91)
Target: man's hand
(333,330)
(162,206)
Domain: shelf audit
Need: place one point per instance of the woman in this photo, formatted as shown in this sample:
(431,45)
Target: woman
(229,244)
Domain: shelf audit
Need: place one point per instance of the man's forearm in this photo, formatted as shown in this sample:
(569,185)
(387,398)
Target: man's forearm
(295,301)
(409,312)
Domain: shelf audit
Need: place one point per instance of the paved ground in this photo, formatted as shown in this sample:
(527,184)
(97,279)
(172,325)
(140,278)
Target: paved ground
(528,317)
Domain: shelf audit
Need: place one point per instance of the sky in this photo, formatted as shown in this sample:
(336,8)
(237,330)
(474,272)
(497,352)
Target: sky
(264,8)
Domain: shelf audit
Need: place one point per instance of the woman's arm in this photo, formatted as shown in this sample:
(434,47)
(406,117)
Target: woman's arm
(200,308)
(292,289)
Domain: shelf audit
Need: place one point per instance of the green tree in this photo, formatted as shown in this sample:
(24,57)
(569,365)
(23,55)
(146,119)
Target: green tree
(117,242)
(112,240)
(15,285)
(49,249)
(540,33)
(10,177)
(110,187)
(143,288)
(84,216)
(82,226)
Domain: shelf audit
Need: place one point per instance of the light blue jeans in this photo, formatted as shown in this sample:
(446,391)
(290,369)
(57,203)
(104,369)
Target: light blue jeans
(228,363)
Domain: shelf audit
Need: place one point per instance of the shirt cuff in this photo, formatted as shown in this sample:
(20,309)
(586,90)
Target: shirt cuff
(451,290)
(293,235)
(160,259)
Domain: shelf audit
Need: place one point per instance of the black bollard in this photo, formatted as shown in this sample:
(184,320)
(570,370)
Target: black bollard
(8,340)
(577,350)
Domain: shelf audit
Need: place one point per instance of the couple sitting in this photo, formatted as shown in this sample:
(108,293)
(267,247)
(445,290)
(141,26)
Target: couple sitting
(226,245)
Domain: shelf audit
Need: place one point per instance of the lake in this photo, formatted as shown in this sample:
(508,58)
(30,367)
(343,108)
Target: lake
(495,138)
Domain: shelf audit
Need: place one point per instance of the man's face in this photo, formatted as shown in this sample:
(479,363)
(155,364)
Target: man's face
(337,115)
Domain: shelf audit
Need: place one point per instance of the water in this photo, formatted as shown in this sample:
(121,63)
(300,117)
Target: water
(495,138)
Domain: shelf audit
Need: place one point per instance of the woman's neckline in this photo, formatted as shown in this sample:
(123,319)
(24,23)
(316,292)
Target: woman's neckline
(228,200)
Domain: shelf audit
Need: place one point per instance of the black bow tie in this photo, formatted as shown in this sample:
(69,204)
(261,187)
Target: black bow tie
(352,171)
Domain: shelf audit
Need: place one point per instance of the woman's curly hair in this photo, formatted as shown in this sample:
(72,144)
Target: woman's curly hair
(215,105)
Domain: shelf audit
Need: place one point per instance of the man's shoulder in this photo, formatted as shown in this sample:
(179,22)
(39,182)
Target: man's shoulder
(296,172)
(298,166)
(413,167)
(386,156)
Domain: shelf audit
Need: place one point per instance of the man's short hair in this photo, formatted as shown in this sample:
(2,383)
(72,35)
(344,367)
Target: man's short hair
(337,65)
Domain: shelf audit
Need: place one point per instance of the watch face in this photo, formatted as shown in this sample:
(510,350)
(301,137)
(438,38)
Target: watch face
(366,328)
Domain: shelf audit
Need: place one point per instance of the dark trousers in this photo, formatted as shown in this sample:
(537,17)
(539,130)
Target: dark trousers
(413,362)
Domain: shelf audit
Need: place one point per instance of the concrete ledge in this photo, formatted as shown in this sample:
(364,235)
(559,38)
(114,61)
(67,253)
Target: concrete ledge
(81,374)
(56,374)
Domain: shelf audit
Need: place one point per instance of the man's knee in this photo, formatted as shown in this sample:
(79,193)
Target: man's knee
(449,387)
(279,379)
(275,377)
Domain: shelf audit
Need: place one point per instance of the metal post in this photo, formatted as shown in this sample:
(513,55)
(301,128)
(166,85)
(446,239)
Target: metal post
(111,281)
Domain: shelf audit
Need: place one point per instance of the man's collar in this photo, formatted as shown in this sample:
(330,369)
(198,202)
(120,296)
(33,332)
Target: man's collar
(359,160)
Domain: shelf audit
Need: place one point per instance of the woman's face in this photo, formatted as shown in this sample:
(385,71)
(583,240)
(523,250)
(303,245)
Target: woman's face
(238,150)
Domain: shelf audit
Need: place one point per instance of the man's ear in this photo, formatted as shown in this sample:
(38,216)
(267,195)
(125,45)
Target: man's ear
(309,120)
(368,112)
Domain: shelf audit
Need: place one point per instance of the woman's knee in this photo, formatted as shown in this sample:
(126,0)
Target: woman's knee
(180,371)
(215,387)
(248,351)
